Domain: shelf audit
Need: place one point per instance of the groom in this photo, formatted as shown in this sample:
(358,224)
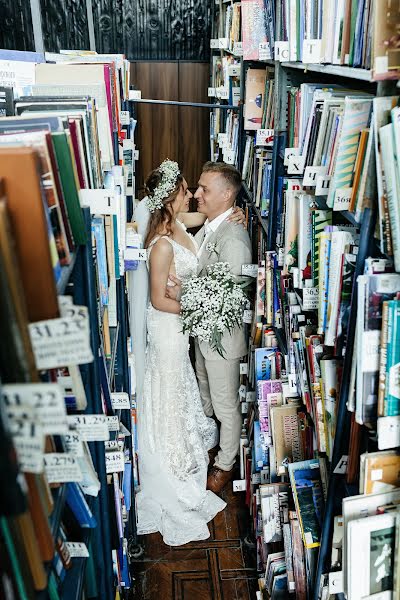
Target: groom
(221,241)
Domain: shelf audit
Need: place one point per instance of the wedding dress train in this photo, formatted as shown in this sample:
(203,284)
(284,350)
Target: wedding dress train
(174,435)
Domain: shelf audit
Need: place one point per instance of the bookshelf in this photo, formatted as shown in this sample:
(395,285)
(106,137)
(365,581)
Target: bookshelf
(99,510)
(323,566)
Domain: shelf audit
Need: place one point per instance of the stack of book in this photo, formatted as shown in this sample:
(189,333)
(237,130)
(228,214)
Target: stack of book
(66,169)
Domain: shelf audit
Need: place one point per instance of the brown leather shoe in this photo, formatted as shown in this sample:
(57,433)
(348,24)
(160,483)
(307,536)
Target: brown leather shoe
(211,455)
(217,479)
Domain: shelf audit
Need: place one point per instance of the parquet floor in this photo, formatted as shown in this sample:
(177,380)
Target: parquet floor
(220,568)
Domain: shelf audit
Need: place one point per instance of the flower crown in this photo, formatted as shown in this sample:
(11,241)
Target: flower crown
(170,172)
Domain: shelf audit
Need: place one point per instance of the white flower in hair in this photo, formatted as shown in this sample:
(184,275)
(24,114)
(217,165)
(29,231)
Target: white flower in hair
(170,172)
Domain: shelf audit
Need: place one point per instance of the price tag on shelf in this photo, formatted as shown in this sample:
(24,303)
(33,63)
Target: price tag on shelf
(135,95)
(115,462)
(238,48)
(342,199)
(60,342)
(211,92)
(28,439)
(322,185)
(45,399)
(250,270)
(120,400)
(310,298)
(124,117)
(77,549)
(61,468)
(223,43)
(73,443)
(265,137)
(282,51)
(113,423)
(91,428)
(214,44)
(264,51)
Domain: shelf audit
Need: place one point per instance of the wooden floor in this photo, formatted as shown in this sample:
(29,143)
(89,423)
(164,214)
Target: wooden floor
(220,568)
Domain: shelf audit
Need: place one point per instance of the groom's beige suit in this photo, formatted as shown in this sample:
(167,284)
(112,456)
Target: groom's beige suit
(222,241)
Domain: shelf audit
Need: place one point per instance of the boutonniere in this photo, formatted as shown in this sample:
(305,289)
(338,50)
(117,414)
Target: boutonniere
(211,247)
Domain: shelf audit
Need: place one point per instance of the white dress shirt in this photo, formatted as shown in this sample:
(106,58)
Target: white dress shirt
(211,227)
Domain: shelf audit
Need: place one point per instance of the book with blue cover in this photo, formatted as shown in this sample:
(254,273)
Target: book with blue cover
(263,358)
(305,479)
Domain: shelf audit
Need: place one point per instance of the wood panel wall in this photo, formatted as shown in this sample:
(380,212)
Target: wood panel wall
(178,133)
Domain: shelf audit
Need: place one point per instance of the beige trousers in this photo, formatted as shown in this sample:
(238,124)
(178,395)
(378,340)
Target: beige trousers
(219,389)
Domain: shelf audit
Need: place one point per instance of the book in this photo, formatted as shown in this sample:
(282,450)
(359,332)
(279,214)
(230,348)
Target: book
(305,479)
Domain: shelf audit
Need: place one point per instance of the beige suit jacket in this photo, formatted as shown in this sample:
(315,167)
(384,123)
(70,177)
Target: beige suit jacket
(232,245)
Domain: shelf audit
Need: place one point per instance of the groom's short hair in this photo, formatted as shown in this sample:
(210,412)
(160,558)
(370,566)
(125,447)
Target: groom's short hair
(229,173)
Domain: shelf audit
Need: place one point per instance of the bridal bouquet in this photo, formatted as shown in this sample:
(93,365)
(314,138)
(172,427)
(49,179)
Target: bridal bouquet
(212,304)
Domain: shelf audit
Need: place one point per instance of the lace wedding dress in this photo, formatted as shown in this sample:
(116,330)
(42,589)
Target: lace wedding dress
(174,434)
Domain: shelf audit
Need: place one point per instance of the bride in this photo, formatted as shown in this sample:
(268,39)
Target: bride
(174,435)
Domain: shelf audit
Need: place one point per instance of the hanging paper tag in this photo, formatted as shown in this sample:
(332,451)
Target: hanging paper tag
(92,428)
(124,117)
(60,342)
(61,468)
(47,401)
(28,438)
(113,423)
(135,95)
(73,443)
(115,462)
(342,199)
(264,51)
(265,137)
(77,549)
(120,400)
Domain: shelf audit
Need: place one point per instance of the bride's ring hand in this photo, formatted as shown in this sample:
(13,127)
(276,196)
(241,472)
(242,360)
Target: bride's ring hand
(237,217)
(174,288)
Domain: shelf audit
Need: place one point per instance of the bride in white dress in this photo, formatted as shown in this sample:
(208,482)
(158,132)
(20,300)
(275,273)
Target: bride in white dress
(174,435)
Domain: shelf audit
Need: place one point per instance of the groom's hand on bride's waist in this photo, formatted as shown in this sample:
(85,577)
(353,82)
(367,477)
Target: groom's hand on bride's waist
(174,288)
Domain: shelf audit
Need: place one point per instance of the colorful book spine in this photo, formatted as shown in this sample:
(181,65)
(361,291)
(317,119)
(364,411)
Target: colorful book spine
(392,379)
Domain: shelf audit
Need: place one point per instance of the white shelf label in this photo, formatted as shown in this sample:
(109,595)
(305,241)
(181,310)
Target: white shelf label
(47,401)
(342,199)
(238,48)
(223,93)
(73,443)
(230,157)
(211,92)
(242,389)
(136,155)
(222,139)
(250,270)
(135,254)
(310,298)
(214,44)
(28,438)
(264,51)
(282,51)
(341,467)
(311,174)
(288,153)
(312,51)
(322,185)
(388,432)
(124,117)
(91,428)
(113,423)
(265,137)
(250,397)
(296,165)
(248,316)
(244,407)
(239,485)
(243,368)
(223,43)
(60,342)
(135,95)
(77,549)
(120,400)
(234,70)
(115,462)
(61,468)
(100,202)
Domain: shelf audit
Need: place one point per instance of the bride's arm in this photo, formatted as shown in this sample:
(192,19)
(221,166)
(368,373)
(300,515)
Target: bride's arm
(192,219)
(161,258)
